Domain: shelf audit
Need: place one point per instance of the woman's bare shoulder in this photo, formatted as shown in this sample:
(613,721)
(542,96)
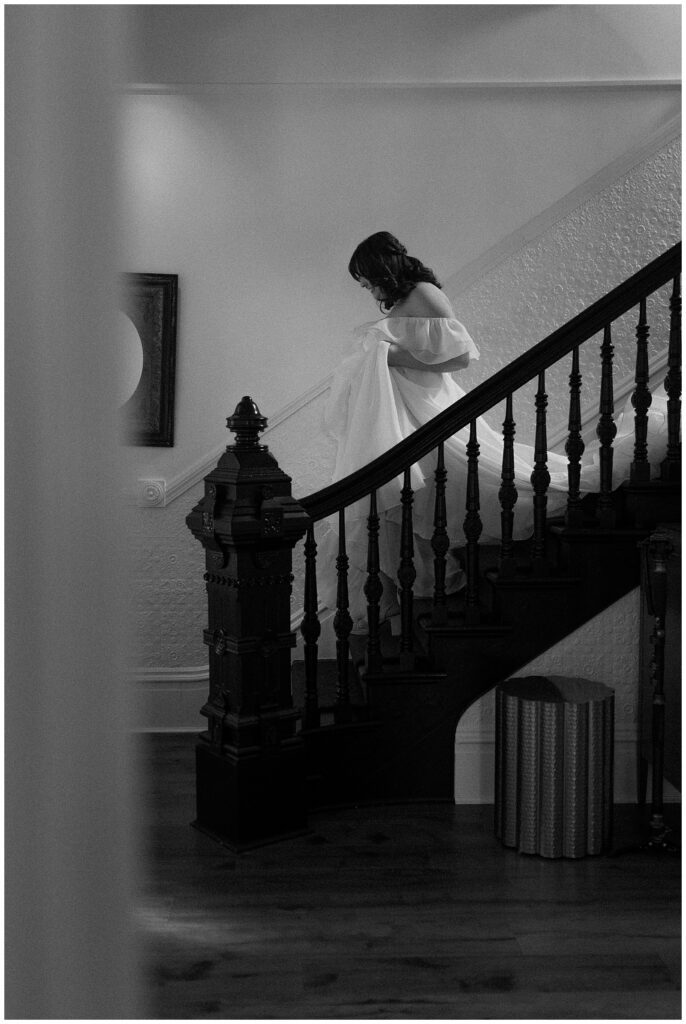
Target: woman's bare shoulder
(425,299)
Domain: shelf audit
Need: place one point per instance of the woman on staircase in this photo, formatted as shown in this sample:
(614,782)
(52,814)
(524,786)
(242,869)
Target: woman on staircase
(398,378)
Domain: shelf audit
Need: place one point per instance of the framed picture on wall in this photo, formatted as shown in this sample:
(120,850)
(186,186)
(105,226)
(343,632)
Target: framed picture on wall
(148,328)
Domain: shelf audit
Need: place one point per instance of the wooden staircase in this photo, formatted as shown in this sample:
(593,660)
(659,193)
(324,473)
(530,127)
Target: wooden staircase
(397,741)
(379,723)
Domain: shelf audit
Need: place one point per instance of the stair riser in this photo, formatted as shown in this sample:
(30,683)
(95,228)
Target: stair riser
(520,606)
(608,570)
(645,510)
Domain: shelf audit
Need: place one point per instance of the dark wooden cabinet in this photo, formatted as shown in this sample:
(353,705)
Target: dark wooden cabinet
(672,676)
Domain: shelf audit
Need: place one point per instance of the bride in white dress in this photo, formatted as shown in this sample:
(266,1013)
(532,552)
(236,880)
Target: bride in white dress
(397,379)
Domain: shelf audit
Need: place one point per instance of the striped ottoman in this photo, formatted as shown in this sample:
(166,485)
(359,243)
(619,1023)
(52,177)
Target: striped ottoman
(554,765)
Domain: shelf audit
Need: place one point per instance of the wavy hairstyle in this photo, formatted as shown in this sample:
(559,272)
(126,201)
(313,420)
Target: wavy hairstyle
(384,262)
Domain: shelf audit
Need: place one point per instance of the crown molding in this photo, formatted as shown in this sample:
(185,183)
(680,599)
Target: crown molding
(466,85)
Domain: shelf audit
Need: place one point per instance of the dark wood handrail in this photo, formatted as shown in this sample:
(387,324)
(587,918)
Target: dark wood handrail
(483,397)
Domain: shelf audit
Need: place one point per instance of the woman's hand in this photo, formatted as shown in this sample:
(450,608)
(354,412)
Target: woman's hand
(399,356)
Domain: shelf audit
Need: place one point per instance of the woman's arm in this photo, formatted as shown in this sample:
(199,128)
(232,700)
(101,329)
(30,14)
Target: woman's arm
(399,356)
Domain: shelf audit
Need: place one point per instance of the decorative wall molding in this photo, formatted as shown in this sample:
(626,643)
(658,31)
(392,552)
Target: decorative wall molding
(191,477)
(151,493)
(589,416)
(188,675)
(543,84)
(159,493)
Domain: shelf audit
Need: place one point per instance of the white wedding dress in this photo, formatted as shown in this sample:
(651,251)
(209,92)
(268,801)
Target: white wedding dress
(373,406)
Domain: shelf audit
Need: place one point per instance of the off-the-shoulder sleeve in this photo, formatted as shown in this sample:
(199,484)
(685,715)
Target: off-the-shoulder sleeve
(432,339)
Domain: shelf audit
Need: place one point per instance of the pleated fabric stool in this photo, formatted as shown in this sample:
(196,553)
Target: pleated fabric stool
(554,751)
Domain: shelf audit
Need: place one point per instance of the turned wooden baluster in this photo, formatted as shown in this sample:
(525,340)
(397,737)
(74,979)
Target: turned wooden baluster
(472,529)
(440,543)
(507,494)
(574,446)
(605,431)
(310,629)
(373,589)
(670,469)
(641,401)
(342,622)
(540,480)
(406,576)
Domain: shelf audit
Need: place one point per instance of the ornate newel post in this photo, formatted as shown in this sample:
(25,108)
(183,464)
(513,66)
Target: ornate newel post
(250,762)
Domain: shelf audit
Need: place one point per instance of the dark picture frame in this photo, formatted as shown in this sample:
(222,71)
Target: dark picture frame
(150,302)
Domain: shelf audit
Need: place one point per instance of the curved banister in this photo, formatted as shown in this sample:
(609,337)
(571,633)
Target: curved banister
(483,397)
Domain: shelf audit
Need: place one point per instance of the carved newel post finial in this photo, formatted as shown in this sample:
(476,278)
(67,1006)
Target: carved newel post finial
(250,760)
(247,423)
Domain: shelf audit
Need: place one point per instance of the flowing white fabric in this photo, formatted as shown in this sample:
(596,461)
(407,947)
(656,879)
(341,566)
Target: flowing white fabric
(373,406)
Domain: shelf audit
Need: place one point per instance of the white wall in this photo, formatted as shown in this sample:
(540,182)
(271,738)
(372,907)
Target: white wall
(257,193)
(613,229)
(585,654)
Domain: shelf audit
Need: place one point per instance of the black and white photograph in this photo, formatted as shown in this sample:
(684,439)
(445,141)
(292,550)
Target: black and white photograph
(343,511)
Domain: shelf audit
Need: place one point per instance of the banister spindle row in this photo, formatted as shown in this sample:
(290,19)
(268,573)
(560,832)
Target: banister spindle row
(670,470)
(310,628)
(472,529)
(507,495)
(406,576)
(440,542)
(342,622)
(540,481)
(641,401)
(574,446)
(373,589)
(605,431)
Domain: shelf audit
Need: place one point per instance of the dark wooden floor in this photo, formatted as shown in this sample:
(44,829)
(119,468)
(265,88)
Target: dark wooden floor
(397,913)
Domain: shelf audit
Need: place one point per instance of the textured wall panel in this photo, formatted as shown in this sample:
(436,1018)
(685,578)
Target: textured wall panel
(588,653)
(589,251)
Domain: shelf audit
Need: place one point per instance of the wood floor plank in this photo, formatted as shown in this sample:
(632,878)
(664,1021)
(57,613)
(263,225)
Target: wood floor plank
(406,912)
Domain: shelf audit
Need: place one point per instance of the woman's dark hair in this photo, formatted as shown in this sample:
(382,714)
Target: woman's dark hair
(384,262)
